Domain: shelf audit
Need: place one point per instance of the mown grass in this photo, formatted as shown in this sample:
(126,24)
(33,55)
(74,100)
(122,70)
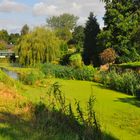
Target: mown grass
(117,113)
(19,120)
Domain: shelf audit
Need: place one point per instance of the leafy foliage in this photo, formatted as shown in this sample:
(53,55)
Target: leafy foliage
(4,35)
(63,34)
(121,19)
(127,82)
(58,71)
(65,20)
(14,38)
(78,37)
(25,30)
(76,60)
(31,78)
(3,45)
(39,46)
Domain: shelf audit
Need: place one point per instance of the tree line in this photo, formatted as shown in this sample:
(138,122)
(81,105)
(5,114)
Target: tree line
(118,41)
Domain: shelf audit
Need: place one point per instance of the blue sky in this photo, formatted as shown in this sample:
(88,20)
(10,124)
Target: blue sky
(15,13)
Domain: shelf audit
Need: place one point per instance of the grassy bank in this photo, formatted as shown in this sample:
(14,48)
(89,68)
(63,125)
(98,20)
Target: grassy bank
(118,113)
(23,118)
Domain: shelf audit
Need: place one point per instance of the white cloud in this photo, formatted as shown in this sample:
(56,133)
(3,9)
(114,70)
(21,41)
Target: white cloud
(10,26)
(77,7)
(80,8)
(12,6)
(41,9)
(13,11)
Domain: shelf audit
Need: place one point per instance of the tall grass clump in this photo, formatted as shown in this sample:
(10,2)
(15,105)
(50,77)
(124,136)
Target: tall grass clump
(127,82)
(76,60)
(59,113)
(67,72)
(31,77)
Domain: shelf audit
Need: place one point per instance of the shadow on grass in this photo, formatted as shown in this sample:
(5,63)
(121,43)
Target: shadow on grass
(14,127)
(130,100)
(109,137)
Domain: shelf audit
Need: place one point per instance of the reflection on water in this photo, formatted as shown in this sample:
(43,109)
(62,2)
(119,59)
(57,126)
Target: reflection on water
(12,74)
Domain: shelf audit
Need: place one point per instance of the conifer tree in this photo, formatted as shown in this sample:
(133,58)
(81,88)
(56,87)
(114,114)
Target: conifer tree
(91,52)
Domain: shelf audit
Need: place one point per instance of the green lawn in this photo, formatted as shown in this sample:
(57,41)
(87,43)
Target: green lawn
(117,113)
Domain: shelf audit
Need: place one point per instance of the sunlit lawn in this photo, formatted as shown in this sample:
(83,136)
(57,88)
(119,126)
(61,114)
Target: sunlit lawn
(117,113)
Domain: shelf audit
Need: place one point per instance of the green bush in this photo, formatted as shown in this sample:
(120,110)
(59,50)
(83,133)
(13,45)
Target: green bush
(31,77)
(67,72)
(76,60)
(127,82)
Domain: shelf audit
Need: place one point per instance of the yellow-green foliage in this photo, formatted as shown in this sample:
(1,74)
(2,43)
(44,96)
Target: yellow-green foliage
(39,46)
(2,45)
(76,60)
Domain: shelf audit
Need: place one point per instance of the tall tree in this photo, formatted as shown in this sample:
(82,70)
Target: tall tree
(91,51)
(3,45)
(121,19)
(78,37)
(14,38)
(63,34)
(39,46)
(4,36)
(67,21)
(25,30)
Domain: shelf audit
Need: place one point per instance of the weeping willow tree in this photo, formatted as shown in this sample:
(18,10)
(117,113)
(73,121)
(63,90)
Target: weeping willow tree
(39,46)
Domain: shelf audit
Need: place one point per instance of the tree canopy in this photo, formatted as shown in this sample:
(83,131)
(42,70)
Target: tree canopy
(67,21)
(4,35)
(25,30)
(3,45)
(14,38)
(121,19)
(78,37)
(39,46)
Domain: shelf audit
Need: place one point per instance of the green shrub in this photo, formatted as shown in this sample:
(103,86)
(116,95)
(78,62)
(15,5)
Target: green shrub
(67,72)
(127,82)
(31,77)
(76,60)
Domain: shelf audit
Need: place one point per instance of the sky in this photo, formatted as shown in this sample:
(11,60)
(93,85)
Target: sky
(16,13)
